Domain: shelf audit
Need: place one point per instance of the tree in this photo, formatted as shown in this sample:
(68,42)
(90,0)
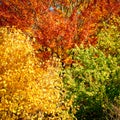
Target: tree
(26,90)
(70,22)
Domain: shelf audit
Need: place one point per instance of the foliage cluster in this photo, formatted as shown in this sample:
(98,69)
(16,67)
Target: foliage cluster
(109,38)
(71,22)
(44,31)
(93,80)
(26,90)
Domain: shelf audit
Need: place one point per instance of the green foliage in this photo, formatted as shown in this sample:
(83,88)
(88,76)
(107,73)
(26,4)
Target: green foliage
(109,37)
(92,83)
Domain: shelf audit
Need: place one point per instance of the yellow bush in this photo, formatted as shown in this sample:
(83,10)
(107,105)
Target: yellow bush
(26,90)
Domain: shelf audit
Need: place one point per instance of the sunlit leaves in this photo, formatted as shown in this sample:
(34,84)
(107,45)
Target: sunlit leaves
(26,90)
(109,37)
(92,16)
(69,22)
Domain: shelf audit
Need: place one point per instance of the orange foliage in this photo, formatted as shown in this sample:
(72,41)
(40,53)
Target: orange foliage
(22,13)
(50,29)
(55,30)
(93,15)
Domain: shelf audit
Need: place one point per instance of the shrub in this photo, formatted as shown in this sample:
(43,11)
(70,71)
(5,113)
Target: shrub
(92,84)
(26,90)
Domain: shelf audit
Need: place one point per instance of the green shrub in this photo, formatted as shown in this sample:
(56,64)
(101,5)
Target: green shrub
(92,83)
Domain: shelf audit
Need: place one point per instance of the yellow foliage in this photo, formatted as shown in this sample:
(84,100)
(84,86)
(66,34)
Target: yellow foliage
(26,90)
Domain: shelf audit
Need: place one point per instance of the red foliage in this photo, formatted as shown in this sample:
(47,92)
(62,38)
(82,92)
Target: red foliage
(54,31)
(93,15)
(23,14)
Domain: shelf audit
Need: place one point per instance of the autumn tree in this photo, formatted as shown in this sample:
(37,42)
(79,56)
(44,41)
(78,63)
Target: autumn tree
(26,90)
(69,22)
(91,19)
